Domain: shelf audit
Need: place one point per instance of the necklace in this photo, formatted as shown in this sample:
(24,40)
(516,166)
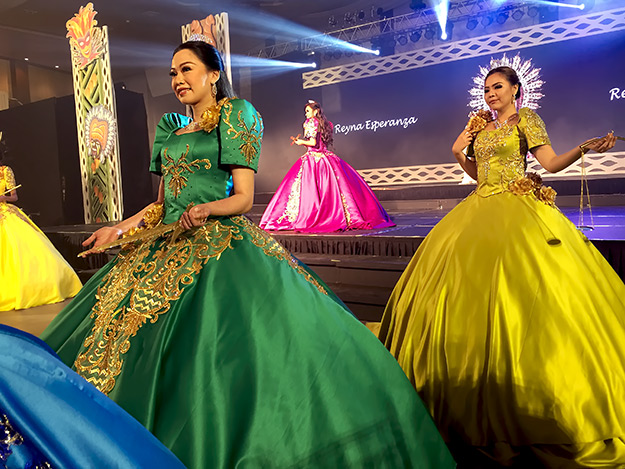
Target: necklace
(499,125)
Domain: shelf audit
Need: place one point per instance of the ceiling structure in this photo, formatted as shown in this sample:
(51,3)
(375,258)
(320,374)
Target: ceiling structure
(143,33)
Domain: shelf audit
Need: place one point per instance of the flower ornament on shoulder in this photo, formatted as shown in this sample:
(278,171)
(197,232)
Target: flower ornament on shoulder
(210,117)
(478,120)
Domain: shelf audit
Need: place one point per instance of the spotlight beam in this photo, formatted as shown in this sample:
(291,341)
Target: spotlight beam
(557,4)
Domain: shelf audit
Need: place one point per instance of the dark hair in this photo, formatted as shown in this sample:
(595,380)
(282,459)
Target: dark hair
(511,77)
(326,129)
(210,57)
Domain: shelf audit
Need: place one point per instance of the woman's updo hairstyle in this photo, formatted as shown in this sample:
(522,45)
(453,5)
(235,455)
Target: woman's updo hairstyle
(511,77)
(211,58)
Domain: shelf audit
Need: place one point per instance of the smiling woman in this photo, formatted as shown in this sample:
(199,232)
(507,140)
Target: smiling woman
(219,341)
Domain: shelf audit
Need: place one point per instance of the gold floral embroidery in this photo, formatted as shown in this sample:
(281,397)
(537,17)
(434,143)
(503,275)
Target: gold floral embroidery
(348,217)
(151,219)
(148,284)
(8,177)
(489,148)
(176,170)
(273,248)
(10,209)
(531,184)
(317,155)
(310,128)
(533,127)
(251,136)
(291,210)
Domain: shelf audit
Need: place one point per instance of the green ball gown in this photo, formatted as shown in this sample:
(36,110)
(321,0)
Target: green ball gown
(511,325)
(226,347)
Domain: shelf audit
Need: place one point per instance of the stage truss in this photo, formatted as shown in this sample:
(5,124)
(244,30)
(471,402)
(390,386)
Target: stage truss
(556,31)
(607,165)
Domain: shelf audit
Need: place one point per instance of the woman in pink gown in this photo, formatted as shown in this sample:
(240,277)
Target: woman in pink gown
(321,192)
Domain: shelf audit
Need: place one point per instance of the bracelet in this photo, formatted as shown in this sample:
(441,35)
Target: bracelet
(119,232)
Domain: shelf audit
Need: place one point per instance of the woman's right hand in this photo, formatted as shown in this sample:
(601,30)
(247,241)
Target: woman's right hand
(106,234)
(464,140)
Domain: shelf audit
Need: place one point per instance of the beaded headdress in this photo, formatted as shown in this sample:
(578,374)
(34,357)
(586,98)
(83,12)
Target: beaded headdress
(529,76)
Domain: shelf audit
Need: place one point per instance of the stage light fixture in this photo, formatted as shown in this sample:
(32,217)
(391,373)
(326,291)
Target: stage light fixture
(327,55)
(471,24)
(487,20)
(502,17)
(532,12)
(415,36)
(429,33)
(517,15)
(332,21)
(361,15)
(337,54)
(447,33)
(402,40)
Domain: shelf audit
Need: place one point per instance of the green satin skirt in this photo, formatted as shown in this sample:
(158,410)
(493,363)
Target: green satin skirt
(234,354)
(511,326)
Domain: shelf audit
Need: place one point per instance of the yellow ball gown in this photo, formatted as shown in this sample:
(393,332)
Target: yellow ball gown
(511,325)
(32,271)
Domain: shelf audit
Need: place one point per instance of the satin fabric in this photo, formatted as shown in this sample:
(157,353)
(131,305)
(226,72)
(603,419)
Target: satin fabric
(32,271)
(322,193)
(511,326)
(232,352)
(62,419)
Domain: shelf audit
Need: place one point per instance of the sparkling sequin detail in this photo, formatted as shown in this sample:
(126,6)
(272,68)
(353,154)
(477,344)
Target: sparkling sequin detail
(500,154)
(145,282)
(250,136)
(273,248)
(310,127)
(174,170)
(292,205)
(10,438)
(150,283)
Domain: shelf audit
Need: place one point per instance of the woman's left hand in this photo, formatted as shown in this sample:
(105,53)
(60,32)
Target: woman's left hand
(195,216)
(600,145)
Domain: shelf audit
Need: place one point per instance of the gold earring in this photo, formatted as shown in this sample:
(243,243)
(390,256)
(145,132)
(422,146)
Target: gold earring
(214,90)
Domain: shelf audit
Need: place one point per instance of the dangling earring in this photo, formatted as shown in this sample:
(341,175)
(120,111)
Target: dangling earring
(214,90)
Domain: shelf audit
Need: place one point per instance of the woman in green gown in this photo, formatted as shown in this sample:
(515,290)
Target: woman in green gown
(508,322)
(226,347)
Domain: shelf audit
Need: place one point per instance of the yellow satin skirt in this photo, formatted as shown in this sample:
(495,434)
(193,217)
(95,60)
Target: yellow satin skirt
(32,271)
(511,326)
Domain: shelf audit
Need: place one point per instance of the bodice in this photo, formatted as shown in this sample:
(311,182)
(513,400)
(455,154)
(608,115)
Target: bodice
(311,130)
(195,166)
(7,179)
(500,153)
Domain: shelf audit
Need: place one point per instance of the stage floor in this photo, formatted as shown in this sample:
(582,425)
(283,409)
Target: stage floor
(609,224)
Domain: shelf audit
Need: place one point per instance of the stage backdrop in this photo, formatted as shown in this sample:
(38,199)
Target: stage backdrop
(584,97)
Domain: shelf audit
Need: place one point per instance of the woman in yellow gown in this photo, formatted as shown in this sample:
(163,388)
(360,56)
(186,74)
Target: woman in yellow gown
(32,271)
(508,322)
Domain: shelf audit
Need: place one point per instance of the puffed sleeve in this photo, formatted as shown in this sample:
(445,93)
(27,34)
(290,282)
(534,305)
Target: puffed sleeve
(9,178)
(311,127)
(533,128)
(169,123)
(240,134)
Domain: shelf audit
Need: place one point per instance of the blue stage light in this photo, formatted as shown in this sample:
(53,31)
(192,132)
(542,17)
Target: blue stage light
(558,4)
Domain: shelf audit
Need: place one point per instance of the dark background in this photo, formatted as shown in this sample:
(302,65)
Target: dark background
(578,76)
